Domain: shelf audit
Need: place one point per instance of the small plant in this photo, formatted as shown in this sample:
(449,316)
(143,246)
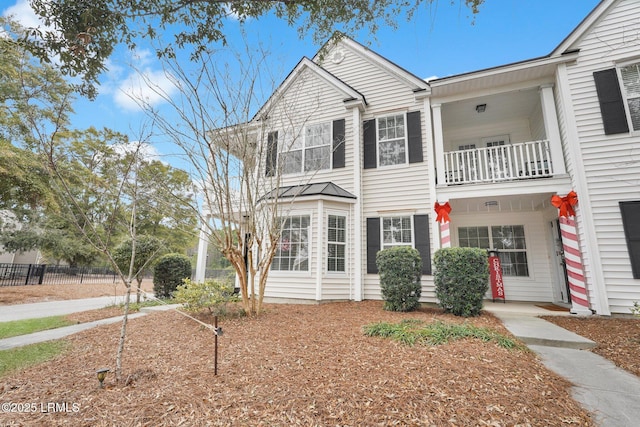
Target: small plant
(169,273)
(400,272)
(462,279)
(635,310)
(212,295)
(412,331)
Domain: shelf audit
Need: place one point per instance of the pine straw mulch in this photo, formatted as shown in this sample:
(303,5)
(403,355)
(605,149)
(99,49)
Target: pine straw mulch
(618,339)
(307,365)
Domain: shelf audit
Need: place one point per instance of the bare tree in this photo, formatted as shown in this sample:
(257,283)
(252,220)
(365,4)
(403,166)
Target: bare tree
(213,120)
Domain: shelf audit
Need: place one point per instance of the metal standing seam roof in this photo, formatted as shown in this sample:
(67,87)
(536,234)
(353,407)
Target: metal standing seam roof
(315,189)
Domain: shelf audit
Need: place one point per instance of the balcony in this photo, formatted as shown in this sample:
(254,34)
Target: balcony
(499,163)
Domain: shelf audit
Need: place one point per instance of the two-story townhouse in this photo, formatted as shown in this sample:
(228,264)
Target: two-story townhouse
(368,148)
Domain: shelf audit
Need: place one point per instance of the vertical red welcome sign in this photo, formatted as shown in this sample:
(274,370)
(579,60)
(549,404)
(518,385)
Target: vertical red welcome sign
(495,275)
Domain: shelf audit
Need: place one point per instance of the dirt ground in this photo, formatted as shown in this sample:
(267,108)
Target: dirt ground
(300,365)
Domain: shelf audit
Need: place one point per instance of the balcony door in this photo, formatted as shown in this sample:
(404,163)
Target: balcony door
(497,156)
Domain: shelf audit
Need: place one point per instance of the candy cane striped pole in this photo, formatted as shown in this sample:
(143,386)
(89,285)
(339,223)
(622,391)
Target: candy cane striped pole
(575,271)
(442,211)
(445,237)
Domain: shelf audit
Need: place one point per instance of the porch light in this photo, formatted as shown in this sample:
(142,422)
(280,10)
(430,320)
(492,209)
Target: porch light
(480,108)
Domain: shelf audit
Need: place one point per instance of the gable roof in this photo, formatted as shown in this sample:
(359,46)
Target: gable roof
(409,79)
(351,96)
(583,27)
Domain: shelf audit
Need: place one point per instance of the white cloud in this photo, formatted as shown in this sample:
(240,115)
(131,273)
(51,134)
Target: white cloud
(147,151)
(23,14)
(144,85)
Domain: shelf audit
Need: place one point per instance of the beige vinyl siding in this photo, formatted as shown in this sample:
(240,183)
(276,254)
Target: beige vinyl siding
(536,287)
(310,100)
(611,163)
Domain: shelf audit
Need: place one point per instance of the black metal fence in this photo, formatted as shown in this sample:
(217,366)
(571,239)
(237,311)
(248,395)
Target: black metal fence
(39,274)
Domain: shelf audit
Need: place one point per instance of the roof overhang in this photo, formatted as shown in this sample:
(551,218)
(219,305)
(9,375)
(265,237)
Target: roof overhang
(536,69)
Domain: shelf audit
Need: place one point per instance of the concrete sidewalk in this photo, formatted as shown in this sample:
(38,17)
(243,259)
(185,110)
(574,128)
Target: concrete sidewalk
(55,308)
(611,393)
(54,334)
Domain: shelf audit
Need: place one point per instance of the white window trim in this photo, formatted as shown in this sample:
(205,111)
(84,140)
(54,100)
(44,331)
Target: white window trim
(303,135)
(412,234)
(527,250)
(406,140)
(344,214)
(623,90)
(298,273)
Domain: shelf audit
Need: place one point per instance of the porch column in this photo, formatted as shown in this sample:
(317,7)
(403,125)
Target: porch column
(572,254)
(203,244)
(552,128)
(356,270)
(438,139)
(442,217)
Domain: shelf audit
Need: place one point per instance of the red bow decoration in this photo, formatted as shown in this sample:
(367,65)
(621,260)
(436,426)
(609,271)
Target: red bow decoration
(442,211)
(565,204)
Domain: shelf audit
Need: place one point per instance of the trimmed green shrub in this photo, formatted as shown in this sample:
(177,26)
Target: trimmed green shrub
(169,273)
(400,272)
(461,279)
(213,295)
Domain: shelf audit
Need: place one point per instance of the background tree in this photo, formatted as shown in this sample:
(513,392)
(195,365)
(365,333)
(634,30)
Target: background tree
(148,249)
(84,33)
(94,189)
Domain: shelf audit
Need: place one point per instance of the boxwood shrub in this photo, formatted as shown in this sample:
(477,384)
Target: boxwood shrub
(400,272)
(169,272)
(461,279)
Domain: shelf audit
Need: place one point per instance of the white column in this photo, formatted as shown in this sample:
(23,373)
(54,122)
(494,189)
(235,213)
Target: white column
(438,140)
(319,245)
(552,128)
(203,244)
(433,196)
(357,243)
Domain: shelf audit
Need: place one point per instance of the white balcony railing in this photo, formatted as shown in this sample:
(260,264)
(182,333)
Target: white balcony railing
(502,163)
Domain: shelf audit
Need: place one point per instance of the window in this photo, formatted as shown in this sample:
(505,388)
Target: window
(309,152)
(630,212)
(293,250)
(396,231)
(392,140)
(631,83)
(337,239)
(509,240)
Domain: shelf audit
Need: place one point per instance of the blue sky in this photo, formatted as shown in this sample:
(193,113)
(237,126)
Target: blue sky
(441,40)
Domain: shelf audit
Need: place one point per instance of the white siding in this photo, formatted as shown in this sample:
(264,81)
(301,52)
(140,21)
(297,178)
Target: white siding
(611,163)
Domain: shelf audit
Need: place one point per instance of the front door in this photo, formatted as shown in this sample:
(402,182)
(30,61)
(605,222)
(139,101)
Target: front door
(559,265)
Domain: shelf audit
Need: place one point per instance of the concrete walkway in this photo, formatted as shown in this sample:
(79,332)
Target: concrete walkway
(55,308)
(611,393)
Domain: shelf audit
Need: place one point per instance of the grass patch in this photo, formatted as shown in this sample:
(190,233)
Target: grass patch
(413,331)
(15,328)
(29,355)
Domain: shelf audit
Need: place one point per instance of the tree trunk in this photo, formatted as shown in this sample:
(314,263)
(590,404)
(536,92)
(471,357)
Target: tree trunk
(123,332)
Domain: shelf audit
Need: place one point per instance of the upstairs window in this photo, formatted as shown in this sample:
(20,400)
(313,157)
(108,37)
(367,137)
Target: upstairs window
(631,83)
(392,141)
(308,152)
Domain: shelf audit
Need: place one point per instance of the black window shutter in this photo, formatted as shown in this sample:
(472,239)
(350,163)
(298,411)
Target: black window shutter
(369,135)
(373,244)
(611,101)
(414,132)
(631,223)
(338,143)
(272,153)
(421,234)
